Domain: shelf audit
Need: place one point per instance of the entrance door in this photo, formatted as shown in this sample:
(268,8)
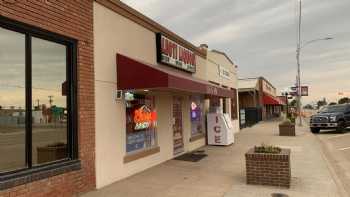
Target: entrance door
(177,125)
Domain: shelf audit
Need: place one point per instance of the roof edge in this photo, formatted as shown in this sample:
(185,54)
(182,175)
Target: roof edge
(139,18)
(224,54)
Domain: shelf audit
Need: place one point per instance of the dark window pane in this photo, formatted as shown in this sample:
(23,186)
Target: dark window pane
(197,115)
(49,101)
(12,100)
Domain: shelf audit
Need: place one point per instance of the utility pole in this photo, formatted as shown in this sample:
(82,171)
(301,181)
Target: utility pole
(38,103)
(50,100)
(298,70)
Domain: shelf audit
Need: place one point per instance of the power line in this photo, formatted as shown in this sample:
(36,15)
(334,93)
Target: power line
(22,87)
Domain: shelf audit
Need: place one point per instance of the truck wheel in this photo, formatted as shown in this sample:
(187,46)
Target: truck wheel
(341,126)
(315,130)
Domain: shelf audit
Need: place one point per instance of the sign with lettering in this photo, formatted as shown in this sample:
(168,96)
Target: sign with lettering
(212,90)
(175,55)
(144,118)
(268,88)
(224,72)
(304,91)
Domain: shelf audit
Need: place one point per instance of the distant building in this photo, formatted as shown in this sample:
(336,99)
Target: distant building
(258,100)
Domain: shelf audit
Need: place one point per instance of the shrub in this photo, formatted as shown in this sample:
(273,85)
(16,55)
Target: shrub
(267,149)
(286,122)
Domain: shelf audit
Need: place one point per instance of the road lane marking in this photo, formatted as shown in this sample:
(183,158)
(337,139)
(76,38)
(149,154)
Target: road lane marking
(346,148)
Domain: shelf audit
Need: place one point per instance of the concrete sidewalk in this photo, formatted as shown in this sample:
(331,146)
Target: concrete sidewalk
(222,173)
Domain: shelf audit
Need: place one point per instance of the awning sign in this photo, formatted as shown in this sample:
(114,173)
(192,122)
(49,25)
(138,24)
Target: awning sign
(175,55)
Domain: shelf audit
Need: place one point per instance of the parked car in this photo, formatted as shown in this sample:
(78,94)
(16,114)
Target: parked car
(331,117)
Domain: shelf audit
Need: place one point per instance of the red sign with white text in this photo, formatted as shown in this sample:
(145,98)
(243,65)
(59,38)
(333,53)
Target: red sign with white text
(175,55)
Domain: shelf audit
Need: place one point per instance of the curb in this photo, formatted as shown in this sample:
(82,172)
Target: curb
(330,161)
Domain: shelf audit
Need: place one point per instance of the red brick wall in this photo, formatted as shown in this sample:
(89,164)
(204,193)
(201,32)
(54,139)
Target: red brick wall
(73,18)
(268,169)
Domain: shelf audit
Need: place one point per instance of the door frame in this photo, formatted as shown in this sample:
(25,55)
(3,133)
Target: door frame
(181,149)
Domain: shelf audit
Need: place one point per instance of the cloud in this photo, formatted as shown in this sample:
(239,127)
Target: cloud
(261,37)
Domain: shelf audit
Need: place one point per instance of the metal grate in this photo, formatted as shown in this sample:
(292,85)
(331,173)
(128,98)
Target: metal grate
(278,195)
(320,120)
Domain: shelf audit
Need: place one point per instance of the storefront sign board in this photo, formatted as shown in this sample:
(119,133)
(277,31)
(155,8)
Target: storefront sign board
(173,54)
(224,72)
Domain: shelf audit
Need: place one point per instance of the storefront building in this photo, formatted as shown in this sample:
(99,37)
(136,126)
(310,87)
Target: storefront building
(152,93)
(257,100)
(222,71)
(47,111)
(93,92)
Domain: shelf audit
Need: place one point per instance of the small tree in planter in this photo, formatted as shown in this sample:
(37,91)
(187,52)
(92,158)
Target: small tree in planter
(268,165)
(287,128)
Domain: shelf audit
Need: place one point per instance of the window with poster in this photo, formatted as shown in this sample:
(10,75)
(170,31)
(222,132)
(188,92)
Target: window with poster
(197,115)
(141,123)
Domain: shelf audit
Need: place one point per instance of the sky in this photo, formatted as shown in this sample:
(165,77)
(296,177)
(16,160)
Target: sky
(260,37)
(48,70)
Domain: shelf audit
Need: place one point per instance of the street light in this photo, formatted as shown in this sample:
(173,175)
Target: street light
(315,40)
(299,47)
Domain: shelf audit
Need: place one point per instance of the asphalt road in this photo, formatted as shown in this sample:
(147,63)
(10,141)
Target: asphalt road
(12,149)
(337,149)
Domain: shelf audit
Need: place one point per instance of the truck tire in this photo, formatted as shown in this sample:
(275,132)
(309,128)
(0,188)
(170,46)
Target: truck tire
(315,130)
(341,127)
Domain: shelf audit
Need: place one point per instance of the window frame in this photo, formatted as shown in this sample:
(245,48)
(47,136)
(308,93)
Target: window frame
(72,161)
(145,149)
(199,135)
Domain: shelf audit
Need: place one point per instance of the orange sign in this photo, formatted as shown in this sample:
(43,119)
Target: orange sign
(144,118)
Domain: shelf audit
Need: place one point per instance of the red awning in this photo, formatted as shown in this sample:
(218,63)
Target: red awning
(269,100)
(135,75)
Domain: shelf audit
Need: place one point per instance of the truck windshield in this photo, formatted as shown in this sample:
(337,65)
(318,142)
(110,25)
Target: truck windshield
(333,108)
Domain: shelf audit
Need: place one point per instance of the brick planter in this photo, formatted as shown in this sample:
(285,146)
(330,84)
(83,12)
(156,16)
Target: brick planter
(287,130)
(268,169)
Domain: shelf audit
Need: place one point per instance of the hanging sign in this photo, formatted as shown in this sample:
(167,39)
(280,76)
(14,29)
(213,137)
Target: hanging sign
(144,118)
(175,55)
(304,91)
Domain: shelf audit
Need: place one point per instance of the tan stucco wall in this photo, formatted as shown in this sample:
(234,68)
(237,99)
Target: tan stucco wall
(213,61)
(115,34)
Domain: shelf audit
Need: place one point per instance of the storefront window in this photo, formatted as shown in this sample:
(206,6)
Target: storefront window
(49,120)
(197,115)
(37,99)
(141,122)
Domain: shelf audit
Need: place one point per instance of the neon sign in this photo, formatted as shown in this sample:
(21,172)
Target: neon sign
(144,118)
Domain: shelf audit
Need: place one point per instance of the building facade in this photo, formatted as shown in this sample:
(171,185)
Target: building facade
(47,71)
(258,100)
(165,92)
(93,92)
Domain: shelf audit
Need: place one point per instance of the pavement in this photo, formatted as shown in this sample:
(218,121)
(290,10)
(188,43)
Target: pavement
(222,172)
(337,148)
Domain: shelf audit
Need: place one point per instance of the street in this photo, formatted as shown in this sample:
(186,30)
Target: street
(337,148)
(12,144)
